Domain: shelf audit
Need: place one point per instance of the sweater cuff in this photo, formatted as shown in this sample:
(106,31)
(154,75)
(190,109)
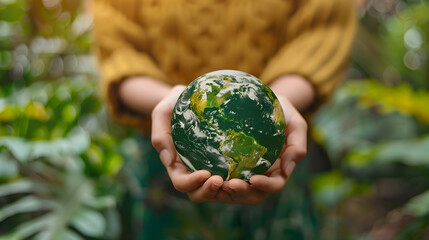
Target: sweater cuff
(119,66)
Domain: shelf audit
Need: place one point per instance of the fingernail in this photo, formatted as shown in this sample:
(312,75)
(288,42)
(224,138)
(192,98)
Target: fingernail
(165,157)
(290,167)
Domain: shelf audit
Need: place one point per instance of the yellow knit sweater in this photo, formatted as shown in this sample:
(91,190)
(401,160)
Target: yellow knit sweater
(176,41)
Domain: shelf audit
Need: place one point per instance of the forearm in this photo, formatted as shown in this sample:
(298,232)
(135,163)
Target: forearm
(142,93)
(296,89)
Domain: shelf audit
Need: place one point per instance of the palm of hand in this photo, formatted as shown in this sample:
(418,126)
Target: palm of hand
(201,186)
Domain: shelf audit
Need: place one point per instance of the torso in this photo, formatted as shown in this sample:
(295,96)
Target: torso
(188,38)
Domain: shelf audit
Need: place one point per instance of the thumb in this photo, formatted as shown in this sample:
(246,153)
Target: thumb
(161,126)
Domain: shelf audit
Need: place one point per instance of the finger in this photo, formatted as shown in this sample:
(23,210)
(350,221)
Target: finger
(289,168)
(161,125)
(296,142)
(184,181)
(292,154)
(226,187)
(224,197)
(273,167)
(296,133)
(208,191)
(269,184)
(296,129)
(244,193)
(238,186)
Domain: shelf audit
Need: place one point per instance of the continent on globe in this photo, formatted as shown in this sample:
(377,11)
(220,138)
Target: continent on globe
(229,123)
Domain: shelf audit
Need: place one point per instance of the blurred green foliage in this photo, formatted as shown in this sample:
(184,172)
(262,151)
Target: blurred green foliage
(61,158)
(405,43)
(376,132)
(60,155)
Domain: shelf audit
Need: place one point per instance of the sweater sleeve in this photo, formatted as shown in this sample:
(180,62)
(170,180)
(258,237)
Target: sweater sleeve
(118,40)
(318,40)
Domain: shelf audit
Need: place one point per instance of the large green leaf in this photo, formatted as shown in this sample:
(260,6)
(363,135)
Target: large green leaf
(401,98)
(342,126)
(413,152)
(74,144)
(21,186)
(330,188)
(419,205)
(67,205)
(69,202)
(100,202)
(28,228)
(63,235)
(8,168)
(25,205)
(89,222)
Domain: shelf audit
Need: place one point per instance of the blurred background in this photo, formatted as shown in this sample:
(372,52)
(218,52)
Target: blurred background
(63,173)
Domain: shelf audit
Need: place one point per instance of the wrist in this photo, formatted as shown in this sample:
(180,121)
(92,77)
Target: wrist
(142,93)
(298,90)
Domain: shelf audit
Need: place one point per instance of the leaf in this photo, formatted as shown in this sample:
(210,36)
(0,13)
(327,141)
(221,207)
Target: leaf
(341,126)
(401,98)
(100,202)
(75,143)
(69,235)
(330,188)
(25,205)
(89,222)
(65,209)
(64,235)
(418,206)
(17,147)
(71,201)
(29,228)
(8,168)
(113,224)
(413,152)
(70,113)
(8,113)
(22,186)
(114,163)
(12,12)
(35,110)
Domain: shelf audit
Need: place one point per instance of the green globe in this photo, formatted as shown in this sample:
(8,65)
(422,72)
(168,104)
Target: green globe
(229,123)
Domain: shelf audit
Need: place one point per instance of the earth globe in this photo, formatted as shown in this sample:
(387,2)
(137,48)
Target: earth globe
(229,123)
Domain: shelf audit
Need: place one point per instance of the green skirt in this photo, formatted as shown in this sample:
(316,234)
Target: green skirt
(157,211)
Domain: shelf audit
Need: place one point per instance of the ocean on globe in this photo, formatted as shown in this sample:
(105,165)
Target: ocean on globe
(229,123)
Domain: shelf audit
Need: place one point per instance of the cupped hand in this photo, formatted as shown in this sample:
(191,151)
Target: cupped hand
(199,185)
(236,191)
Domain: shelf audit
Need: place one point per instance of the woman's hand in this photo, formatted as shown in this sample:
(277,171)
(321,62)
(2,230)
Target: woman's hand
(200,185)
(273,181)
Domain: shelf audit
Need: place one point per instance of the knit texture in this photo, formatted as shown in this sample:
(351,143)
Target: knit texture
(176,41)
